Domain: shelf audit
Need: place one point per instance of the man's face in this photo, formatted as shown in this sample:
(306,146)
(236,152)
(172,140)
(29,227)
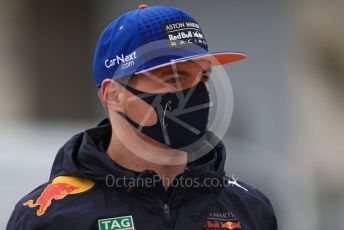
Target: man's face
(171,78)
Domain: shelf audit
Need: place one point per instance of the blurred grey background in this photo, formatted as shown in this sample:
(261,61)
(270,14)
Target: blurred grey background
(286,136)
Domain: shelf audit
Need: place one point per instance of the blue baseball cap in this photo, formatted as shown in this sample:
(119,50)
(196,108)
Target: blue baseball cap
(151,37)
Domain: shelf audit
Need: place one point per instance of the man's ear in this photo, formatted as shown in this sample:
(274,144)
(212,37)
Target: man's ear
(112,95)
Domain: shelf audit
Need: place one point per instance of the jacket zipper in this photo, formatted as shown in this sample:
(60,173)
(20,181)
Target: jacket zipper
(168,217)
(165,207)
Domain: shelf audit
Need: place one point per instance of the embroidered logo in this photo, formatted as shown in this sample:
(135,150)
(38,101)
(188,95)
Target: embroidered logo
(58,189)
(234,181)
(221,220)
(117,223)
(184,33)
(124,61)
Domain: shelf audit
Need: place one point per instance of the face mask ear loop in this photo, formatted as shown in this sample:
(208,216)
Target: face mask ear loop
(135,92)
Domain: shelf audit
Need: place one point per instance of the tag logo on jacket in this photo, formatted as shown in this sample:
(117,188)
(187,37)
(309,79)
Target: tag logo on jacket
(58,189)
(220,221)
(117,223)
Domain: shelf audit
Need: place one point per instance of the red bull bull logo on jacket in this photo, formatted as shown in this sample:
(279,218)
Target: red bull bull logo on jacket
(58,189)
(231,225)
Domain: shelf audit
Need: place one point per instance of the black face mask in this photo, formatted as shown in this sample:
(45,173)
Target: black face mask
(182,115)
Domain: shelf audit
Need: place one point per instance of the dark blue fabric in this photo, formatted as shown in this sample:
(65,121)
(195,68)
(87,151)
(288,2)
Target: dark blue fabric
(190,207)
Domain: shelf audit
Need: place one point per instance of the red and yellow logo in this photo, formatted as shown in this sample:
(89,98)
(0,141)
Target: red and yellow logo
(58,189)
(217,224)
(231,225)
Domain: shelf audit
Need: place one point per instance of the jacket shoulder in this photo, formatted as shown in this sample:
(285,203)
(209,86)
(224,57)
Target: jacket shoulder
(21,218)
(35,210)
(253,201)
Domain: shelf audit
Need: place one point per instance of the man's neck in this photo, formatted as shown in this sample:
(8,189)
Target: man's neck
(120,153)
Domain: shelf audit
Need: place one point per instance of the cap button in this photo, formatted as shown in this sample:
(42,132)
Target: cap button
(142,6)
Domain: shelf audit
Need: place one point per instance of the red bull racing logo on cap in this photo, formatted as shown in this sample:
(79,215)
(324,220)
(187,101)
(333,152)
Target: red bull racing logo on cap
(184,33)
(58,189)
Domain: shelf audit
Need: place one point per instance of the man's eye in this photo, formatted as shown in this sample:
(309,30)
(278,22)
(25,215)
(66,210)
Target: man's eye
(172,80)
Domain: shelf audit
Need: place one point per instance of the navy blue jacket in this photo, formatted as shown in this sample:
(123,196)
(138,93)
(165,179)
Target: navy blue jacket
(81,194)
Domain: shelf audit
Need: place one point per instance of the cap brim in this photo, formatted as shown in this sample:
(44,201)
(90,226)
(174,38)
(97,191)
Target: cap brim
(215,59)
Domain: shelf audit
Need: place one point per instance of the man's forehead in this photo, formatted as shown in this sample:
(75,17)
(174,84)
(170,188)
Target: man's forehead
(183,67)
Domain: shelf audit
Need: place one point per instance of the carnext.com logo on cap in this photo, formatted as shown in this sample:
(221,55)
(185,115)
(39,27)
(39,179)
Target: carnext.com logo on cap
(125,61)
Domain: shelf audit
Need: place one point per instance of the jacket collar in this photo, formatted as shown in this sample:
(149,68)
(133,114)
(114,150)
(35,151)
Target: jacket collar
(84,156)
